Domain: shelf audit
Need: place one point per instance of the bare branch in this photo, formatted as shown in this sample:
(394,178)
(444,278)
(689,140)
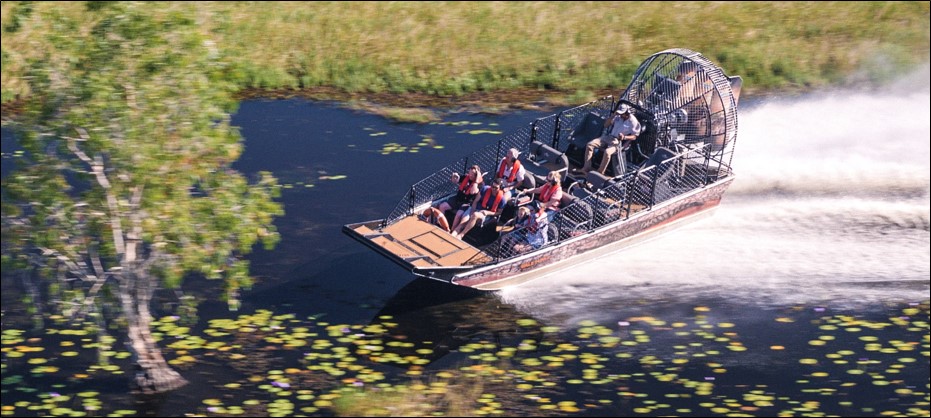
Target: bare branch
(95,261)
(73,267)
(98,169)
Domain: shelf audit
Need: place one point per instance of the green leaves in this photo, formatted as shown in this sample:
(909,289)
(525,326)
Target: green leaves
(127,152)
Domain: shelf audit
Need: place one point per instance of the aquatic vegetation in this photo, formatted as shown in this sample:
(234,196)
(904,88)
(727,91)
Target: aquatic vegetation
(699,364)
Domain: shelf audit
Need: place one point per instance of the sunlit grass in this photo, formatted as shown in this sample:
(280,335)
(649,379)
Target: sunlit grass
(451,48)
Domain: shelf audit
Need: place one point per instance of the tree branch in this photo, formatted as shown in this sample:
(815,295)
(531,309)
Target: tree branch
(73,267)
(135,234)
(97,168)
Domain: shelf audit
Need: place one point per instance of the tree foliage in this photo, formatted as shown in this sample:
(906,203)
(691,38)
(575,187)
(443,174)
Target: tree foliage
(126,176)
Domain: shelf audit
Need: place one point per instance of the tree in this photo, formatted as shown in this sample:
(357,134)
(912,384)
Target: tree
(126,185)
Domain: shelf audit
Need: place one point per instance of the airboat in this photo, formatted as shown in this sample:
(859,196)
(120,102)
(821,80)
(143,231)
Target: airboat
(675,172)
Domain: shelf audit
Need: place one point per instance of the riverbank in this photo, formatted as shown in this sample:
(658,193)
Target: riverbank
(459,49)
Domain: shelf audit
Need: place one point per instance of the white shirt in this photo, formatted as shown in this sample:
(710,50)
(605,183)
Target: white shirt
(507,174)
(631,126)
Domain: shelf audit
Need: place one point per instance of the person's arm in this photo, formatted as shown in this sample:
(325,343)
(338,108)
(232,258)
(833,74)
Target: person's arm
(521,176)
(478,197)
(517,179)
(630,137)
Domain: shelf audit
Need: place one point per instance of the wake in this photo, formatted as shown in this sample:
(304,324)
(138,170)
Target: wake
(831,204)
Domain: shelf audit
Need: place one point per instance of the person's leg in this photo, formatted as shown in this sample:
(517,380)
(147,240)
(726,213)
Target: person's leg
(473,220)
(462,216)
(589,150)
(606,158)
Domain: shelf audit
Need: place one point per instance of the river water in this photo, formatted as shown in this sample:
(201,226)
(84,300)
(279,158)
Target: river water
(807,291)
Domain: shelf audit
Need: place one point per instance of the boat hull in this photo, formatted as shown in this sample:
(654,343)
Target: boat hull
(687,110)
(597,243)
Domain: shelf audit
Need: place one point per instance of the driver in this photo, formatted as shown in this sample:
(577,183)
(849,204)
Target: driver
(624,128)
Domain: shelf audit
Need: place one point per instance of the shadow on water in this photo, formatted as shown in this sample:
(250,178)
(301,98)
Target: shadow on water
(427,310)
(445,319)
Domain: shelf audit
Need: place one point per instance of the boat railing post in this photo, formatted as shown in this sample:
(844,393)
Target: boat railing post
(556,128)
(413,195)
(533,131)
(653,176)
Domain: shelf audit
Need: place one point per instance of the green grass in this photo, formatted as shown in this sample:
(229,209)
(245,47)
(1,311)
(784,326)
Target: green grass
(455,48)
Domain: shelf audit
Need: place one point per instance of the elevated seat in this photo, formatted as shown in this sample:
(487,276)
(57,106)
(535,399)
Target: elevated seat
(591,127)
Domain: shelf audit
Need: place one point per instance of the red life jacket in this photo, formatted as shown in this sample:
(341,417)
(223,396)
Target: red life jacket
(514,169)
(465,184)
(547,192)
(498,199)
(532,222)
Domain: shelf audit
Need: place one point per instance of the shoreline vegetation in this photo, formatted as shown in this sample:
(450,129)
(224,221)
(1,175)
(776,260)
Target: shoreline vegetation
(402,58)
(398,58)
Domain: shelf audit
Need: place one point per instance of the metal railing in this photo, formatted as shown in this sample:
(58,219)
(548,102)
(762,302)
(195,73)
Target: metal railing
(637,190)
(550,129)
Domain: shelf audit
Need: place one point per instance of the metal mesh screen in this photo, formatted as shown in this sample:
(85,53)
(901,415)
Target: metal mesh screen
(549,130)
(438,184)
(690,104)
(568,119)
(635,191)
(690,97)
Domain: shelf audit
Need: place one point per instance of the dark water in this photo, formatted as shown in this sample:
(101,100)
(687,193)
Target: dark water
(806,293)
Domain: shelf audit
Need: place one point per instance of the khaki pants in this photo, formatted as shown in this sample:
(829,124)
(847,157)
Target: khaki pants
(610,147)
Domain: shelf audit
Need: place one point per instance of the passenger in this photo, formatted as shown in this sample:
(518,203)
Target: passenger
(548,195)
(436,217)
(468,187)
(511,172)
(624,129)
(530,231)
(486,206)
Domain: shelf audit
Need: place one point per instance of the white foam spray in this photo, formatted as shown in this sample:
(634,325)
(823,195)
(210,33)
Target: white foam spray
(830,205)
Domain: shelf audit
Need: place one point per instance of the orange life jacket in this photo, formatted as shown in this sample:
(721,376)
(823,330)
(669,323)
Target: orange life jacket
(498,199)
(547,192)
(465,183)
(531,223)
(514,169)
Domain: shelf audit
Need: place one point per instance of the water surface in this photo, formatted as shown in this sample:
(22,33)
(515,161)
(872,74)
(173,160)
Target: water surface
(806,292)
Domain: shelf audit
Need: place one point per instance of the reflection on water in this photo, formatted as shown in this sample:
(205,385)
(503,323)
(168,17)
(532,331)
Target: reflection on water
(805,293)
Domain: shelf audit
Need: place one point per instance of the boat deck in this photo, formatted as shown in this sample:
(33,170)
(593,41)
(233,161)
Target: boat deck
(425,245)
(421,244)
